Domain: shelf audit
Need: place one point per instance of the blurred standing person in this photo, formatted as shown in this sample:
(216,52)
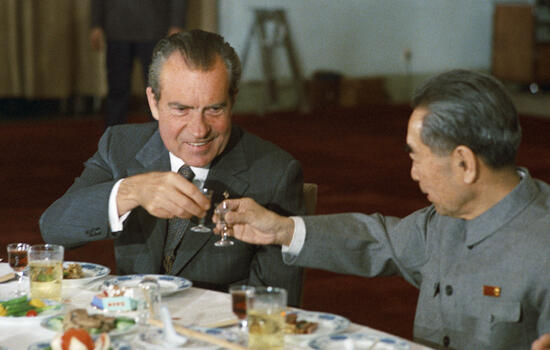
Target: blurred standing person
(130,29)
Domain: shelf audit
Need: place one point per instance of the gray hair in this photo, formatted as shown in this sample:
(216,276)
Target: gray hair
(199,49)
(471,109)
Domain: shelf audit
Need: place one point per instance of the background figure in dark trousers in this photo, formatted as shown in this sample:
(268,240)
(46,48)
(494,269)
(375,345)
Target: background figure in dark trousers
(130,29)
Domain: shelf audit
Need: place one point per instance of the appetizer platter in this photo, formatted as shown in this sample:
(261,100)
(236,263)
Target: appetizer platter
(24,309)
(79,339)
(93,323)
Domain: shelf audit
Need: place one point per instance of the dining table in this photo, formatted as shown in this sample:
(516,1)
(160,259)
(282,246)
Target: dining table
(190,307)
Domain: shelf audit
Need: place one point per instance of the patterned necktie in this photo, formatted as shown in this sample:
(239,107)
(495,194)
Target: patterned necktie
(176,228)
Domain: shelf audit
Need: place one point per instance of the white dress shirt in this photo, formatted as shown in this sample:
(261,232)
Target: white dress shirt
(116,222)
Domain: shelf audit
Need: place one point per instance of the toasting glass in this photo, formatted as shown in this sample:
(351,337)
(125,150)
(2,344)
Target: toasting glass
(18,260)
(221,210)
(201,227)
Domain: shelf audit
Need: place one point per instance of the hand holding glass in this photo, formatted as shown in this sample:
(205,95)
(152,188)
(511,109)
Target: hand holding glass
(201,227)
(221,210)
(18,260)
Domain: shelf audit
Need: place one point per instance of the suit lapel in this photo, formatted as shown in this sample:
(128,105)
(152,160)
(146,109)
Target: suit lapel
(152,157)
(225,175)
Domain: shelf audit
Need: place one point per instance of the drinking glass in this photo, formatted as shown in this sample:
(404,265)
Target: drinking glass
(18,260)
(241,295)
(201,227)
(266,318)
(46,271)
(221,210)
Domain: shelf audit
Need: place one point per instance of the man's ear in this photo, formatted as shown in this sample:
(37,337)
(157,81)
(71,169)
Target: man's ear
(153,104)
(466,162)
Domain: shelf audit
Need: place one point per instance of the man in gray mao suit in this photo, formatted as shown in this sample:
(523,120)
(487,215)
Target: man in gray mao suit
(130,188)
(479,254)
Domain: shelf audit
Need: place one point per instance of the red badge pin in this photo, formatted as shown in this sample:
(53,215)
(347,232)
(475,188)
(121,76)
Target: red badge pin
(491,291)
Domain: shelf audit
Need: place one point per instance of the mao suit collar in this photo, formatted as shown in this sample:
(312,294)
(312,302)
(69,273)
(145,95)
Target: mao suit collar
(500,214)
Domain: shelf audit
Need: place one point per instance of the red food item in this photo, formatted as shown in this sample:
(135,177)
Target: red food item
(79,334)
(31,313)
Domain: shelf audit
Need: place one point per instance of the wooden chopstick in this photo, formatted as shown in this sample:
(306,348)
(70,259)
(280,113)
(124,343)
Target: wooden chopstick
(200,336)
(222,324)
(7,277)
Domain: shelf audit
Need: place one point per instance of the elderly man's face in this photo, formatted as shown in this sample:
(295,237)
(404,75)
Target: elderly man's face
(435,174)
(194,110)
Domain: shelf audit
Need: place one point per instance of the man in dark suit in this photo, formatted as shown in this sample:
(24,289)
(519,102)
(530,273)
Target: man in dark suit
(130,29)
(130,187)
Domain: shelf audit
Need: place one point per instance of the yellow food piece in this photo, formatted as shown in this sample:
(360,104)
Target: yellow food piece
(36,303)
(2,311)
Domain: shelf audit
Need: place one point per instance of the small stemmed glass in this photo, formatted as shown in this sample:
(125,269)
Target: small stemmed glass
(18,260)
(201,227)
(221,210)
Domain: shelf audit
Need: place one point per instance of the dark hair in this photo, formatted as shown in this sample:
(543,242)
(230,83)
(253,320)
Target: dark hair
(472,109)
(199,49)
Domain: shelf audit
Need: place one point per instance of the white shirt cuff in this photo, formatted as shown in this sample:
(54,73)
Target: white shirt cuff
(115,221)
(298,237)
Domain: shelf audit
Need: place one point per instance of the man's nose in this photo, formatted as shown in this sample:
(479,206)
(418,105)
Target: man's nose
(198,127)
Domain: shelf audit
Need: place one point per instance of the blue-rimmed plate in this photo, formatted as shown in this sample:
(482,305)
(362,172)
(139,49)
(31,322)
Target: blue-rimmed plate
(55,323)
(56,309)
(168,284)
(327,324)
(358,341)
(115,345)
(90,271)
(154,338)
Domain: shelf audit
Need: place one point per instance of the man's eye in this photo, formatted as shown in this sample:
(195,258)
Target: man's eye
(215,110)
(180,110)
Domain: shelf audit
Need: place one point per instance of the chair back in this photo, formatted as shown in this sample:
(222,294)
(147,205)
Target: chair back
(310,197)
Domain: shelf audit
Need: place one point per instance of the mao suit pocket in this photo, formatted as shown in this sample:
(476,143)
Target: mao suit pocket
(494,320)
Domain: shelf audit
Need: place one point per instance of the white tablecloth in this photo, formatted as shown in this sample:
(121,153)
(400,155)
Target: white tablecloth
(193,306)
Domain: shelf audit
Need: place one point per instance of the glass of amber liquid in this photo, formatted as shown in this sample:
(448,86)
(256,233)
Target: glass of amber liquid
(46,271)
(241,296)
(18,260)
(266,319)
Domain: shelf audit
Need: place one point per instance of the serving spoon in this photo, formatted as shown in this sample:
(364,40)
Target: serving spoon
(170,335)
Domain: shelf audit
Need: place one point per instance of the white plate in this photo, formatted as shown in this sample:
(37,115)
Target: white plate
(55,323)
(91,272)
(153,339)
(115,345)
(168,284)
(358,341)
(328,324)
(56,310)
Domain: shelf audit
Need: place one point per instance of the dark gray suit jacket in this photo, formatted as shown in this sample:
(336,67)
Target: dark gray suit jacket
(249,166)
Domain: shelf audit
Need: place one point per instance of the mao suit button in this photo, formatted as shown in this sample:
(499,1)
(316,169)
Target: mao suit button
(449,290)
(446,340)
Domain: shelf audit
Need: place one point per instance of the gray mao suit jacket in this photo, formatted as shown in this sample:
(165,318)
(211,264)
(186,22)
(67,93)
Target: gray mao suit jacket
(249,166)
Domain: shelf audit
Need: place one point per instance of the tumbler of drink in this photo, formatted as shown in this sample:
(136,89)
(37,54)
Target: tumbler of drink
(46,271)
(241,295)
(266,318)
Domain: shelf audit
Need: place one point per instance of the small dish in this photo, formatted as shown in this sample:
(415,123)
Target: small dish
(91,273)
(168,284)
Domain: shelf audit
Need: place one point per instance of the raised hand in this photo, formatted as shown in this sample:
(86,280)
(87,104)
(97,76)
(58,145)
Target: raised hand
(252,223)
(162,194)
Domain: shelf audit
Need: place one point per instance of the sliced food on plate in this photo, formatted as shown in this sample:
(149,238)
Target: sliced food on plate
(93,323)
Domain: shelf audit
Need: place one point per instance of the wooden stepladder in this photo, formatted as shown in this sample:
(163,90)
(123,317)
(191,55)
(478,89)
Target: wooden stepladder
(271,28)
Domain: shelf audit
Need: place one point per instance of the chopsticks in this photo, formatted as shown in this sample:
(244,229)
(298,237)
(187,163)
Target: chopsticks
(201,336)
(7,277)
(223,324)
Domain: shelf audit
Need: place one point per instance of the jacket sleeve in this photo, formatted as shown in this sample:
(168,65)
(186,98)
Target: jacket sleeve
(81,214)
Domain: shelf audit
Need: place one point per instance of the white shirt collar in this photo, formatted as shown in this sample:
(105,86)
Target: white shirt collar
(200,173)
